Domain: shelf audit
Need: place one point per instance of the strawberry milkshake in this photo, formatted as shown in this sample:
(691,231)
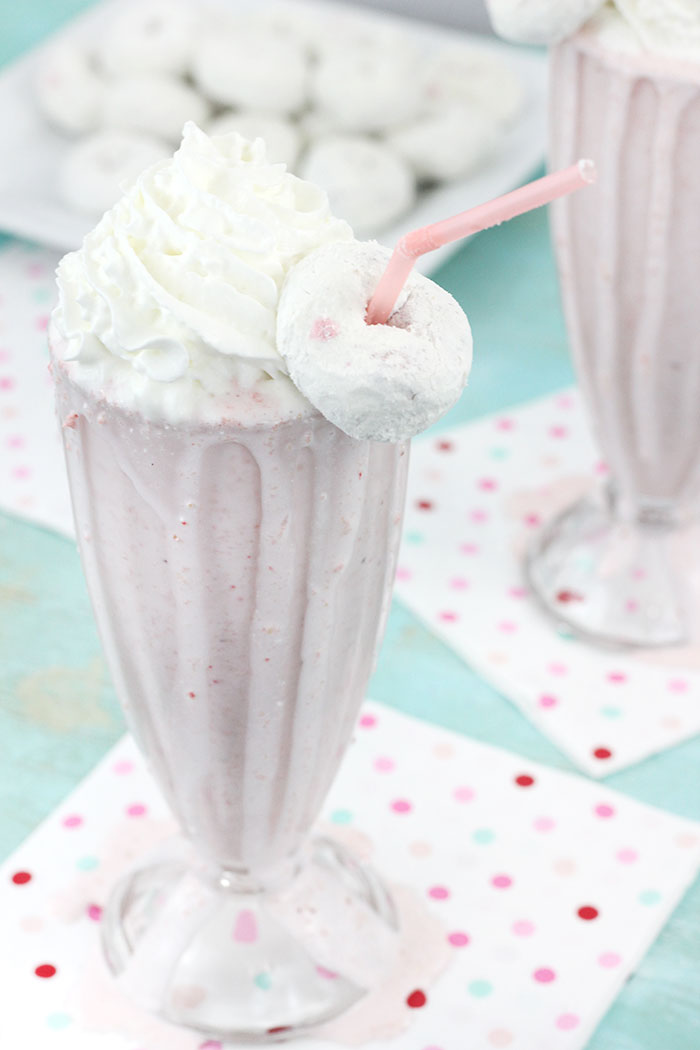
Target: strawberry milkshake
(625,89)
(238,530)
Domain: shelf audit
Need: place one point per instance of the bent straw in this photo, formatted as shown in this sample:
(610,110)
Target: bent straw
(427,238)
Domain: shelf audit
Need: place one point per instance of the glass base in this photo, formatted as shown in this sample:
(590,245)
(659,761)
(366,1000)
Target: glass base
(234,960)
(611,581)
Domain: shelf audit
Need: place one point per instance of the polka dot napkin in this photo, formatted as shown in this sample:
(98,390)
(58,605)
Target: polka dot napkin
(32,475)
(548,890)
(476,495)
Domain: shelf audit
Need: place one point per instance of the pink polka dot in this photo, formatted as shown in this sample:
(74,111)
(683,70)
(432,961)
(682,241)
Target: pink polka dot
(564,401)
(487,484)
(448,616)
(403,574)
(384,765)
(464,794)
(123,766)
(35,269)
(5,355)
(558,431)
(507,627)
(328,975)
(617,677)
(566,1022)
(469,548)
(631,605)
(546,700)
(458,583)
(523,928)
(21,473)
(678,685)
(94,912)
(627,856)
(517,592)
(558,669)
(401,805)
(136,809)
(601,467)
(72,821)
(458,939)
(368,721)
(6,383)
(439,893)
(544,975)
(544,824)
(42,322)
(532,519)
(604,810)
(501,882)
(15,441)
(211,1044)
(479,516)
(609,960)
(505,424)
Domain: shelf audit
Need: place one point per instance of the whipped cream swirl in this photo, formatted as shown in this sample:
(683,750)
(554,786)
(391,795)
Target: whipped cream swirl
(178,283)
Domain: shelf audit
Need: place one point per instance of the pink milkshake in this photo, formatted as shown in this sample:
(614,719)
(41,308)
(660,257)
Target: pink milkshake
(239,550)
(625,90)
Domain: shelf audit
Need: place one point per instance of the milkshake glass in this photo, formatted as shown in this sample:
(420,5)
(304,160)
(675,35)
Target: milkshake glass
(239,551)
(628,253)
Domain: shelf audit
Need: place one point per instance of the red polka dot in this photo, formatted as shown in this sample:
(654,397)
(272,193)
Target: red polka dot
(416,999)
(569,596)
(524,780)
(444,446)
(20,877)
(438,893)
(602,753)
(45,970)
(587,913)
(458,939)
(424,504)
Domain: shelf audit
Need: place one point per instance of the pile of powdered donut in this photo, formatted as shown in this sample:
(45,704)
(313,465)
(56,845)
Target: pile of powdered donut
(354,106)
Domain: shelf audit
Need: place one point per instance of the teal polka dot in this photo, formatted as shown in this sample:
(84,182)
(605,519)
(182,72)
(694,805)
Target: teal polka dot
(480,989)
(566,636)
(41,295)
(611,712)
(483,836)
(414,537)
(499,453)
(87,863)
(649,897)
(341,816)
(58,1021)
(263,980)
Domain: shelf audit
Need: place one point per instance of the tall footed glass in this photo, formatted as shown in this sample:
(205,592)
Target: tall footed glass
(240,575)
(614,566)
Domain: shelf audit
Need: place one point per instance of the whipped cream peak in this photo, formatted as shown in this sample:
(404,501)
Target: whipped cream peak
(669,28)
(178,283)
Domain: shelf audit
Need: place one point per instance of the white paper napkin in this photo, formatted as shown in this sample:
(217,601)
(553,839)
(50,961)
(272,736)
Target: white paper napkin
(550,889)
(476,493)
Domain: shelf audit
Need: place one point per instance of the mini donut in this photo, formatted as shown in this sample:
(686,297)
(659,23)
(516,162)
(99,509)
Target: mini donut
(476,77)
(367,184)
(447,144)
(148,36)
(153,103)
(251,69)
(375,382)
(368,88)
(540,21)
(68,89)
(282,139)
(93,172)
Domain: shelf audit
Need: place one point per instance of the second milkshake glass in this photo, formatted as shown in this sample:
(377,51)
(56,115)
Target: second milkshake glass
(612,567)
(240,576)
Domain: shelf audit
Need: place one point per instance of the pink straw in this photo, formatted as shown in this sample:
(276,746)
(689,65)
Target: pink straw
(427,238)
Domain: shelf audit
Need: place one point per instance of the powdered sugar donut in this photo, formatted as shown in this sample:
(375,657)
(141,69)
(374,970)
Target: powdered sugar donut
(68,89)
(540,21)
(282,138)
(153,103)
(94,171)
(447,144)
(376,382)
(252,69)
(367,184)
(154,36)
(368,88)
(476,77)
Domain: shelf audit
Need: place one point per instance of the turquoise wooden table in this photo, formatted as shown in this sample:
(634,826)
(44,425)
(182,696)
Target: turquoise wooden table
(58,713)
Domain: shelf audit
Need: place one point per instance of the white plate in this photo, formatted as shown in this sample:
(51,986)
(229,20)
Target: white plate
(30,205)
